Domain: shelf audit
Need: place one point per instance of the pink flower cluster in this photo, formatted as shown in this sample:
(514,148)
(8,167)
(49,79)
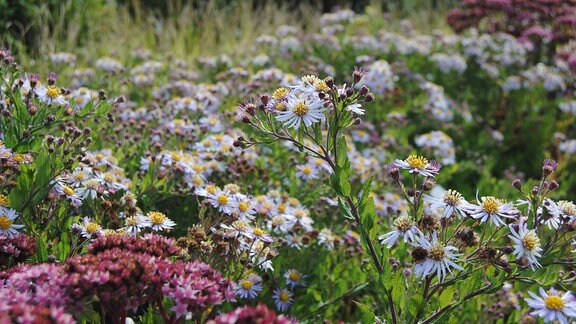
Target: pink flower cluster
(120,274)
(549,20)
(151,244)
(251,315)
(35,294)
(194,287)
(15,249)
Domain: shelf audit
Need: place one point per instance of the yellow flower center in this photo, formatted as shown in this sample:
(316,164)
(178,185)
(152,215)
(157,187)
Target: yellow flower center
(132,221)
(3,201)
(306,170)
(99,157)
(176,157)
(491,204)
(417,162)
(452,197)
(321,85)
(68,191)
(284,296)
(294,276)
(239,225)
(531,241)
(92,184)
(18,158)
(258,231)
(403,223)
(211,189)
(156,217)
(232,187)
(92,227)
(281,106)
(281,208)
(567,207)
(222,200)
(5,222)
(300,109)
(242,206)
(79,176)
(437,253)
(109,177)
(299,213)
(246,284)
(280,93)
(554,303)
(52,92)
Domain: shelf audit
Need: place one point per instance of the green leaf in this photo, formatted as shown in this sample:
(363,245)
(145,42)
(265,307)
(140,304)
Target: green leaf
(368,314)
(447,296)
(345,209)
(342,152)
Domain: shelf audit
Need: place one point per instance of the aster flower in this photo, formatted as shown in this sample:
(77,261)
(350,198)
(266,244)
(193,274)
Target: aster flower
(562,210)
(223,200)
(157,221)
(306,172)
(553,306)
(434,258)
(294,278)
(526,244)
(355,108)
(88,228)
(419,165)
(282,299)
(451,203)
(249,287)
(405,227)
(72,195)
(7,226)
(301,109)
(50,95)
(491,209)
(259,234)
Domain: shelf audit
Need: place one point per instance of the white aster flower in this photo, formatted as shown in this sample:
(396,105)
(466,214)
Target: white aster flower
(492,209)
(526,244)
(419,165)
(301,109)
(439,258)
(249,287)
(553,306)
(283,299)
(405,227)
(355,108)
(7,226)
(451,202)
(157,221)
(50,95)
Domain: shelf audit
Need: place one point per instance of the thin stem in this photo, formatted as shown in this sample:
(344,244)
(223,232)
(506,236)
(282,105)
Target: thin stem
(455,304)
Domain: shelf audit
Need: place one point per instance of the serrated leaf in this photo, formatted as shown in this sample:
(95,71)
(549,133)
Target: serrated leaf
(447,296)
(345,209)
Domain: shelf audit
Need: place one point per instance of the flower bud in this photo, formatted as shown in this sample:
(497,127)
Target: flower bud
(517,184)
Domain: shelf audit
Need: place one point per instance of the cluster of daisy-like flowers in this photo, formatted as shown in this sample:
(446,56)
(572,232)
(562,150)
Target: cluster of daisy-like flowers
(250,286)
(434,255)
(97,177)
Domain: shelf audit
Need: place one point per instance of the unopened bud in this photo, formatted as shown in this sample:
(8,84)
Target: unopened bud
(553,185)
(51,78)
(369,97)
(517,184)
(363,90)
